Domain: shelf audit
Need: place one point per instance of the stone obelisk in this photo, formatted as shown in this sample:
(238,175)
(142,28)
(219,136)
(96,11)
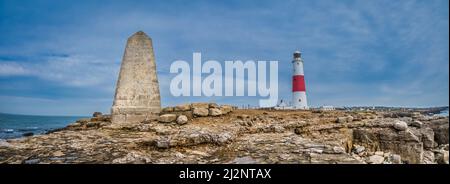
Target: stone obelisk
(137,95)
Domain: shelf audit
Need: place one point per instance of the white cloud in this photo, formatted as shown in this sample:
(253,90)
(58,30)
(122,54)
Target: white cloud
(73,71)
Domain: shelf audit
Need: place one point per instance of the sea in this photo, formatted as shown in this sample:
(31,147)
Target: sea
(15,126)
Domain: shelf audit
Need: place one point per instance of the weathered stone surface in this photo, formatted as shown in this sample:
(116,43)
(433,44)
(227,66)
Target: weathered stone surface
(404,143)
(260,136)
(201,112)
(215,112)
(167,118)
(349,119)
(137,95)
(182,107)
(167,109)
(400,125)
(200,105)
(213,105)
(243,116)
(359,149)
(442,157)
(396,159)
(375,159)
(428,157)
(417,124)
(97,114)
(440,129)
(226,109)
(182,119)
(341,120)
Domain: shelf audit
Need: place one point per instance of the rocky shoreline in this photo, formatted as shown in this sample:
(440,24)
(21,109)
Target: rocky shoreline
(211,133)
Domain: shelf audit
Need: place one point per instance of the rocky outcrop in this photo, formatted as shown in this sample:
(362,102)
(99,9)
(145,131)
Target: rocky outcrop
(194,110)
(244,136)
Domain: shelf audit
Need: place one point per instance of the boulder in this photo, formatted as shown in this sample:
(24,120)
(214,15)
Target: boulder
(226,109)
(167,109)
(182,107)
(215,112)
(200,105)
(200,112)
(167,118)
(349,119)
(338,149)
(97,114)
(213,105)
(396,159)
(417,124)
(359,149)
(341,120)
(182,119)
(375,159)
(400,125)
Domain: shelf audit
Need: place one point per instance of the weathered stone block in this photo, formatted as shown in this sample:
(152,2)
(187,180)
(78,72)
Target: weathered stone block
(182,107)
(215,112)
(200,112)
(167,118)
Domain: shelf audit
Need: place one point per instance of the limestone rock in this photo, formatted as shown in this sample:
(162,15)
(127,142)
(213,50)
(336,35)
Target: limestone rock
(167,118)
(428,157)
(182,119)
(349,119)
(213,105)
(442,157)
(243,116)
(400,125)
(440,129)
(200,105)
(200,112)
(375,159)
(396,159)
(226,109)
(97,114)
(137,96)
(215,112)
(338,149)
(167,109)
(341,120)
(417,124)
(359,149)
(182,107)
(132,158)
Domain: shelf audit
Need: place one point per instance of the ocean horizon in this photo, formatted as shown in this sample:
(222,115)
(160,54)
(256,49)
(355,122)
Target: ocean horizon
(16,126)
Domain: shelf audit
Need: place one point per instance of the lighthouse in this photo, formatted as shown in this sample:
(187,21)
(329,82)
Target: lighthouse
(298,83)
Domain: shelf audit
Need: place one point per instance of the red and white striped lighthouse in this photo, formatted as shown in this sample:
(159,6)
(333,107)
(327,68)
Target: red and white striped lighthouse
(298,83)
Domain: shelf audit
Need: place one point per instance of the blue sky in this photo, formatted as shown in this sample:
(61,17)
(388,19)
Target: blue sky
(63,57)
